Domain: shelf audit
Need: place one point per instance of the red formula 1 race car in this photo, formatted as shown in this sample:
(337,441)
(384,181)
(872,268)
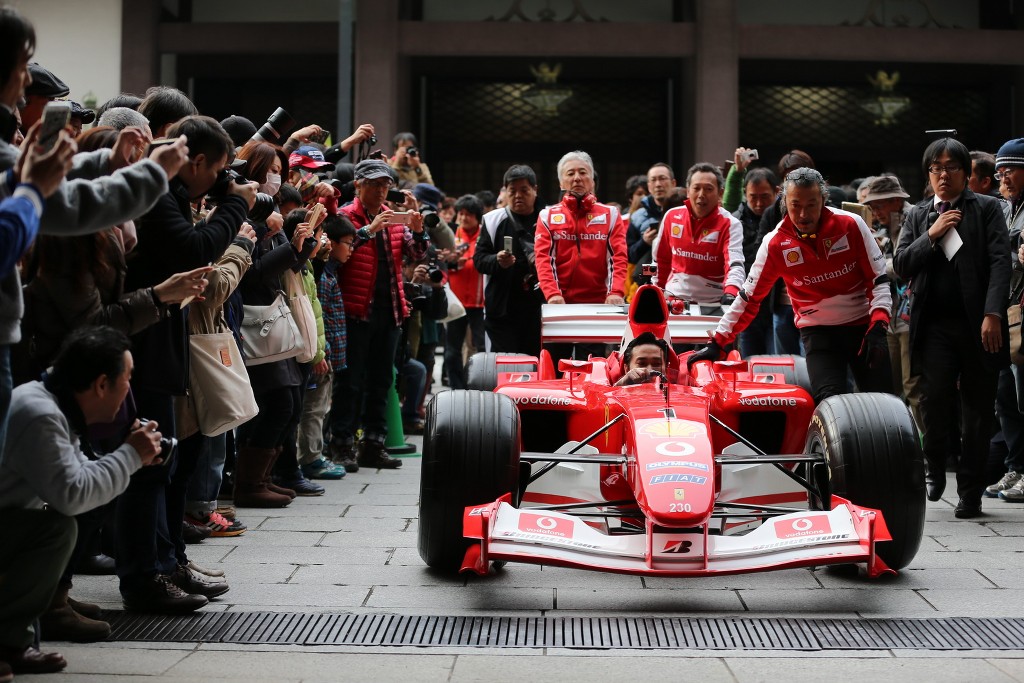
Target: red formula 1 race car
(727,468)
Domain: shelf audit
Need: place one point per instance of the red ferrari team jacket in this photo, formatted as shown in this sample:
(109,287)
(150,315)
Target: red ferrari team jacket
(699,259)
(466,282)
(581,255)
(835,278)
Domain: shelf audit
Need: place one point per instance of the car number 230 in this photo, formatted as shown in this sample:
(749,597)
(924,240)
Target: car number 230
(679,507)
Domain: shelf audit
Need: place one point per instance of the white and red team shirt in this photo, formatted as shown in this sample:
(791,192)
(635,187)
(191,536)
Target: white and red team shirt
(700,259)
(835,278)
(581,255)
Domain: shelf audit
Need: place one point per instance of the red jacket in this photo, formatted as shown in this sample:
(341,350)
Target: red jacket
(581,255)
(359,274)
(700,259)
(836,278)
(466,282)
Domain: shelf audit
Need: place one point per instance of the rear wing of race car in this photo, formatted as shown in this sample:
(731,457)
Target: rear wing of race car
(605,323)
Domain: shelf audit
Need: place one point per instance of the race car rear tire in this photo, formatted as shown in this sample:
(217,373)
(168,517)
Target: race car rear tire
(795,375)
(874,460)
(482,369)
(470,457)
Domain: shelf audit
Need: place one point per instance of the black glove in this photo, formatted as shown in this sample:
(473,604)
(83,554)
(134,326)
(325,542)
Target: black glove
(710,352)
(875,349)
(727,300)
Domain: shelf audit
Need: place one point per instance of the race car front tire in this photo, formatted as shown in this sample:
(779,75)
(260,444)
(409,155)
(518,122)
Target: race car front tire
(482,369)
(874,459)
(470,457)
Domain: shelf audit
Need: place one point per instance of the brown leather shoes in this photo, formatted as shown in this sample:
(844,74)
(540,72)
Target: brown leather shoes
(29,660)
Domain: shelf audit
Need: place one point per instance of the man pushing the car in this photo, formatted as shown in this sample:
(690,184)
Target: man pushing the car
(835,275)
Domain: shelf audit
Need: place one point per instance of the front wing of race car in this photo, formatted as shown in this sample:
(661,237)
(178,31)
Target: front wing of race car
(846,534)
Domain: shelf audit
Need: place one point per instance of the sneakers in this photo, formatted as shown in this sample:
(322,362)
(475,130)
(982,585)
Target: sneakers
(322,468)
(372,454)
(160,595)
(219,526)
(343,454)
(1008,480)
(195,583)
(1014,494)
(302,486)
(226,511)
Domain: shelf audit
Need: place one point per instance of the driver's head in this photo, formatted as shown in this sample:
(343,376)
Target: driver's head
(646,351)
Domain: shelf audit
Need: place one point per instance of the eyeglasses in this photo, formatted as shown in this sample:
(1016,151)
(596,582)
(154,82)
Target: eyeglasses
(937,169)
(658,179)
(1005,173)
(380,183)
(350,243)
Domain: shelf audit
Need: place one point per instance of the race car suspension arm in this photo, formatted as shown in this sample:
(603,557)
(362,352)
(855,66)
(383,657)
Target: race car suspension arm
(583,506)
(553,463)
(811,488)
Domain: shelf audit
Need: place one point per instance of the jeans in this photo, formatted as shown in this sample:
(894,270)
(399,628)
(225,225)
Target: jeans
(759,337)
(474,320)
(1010,418)
(203,487)
(189,452)
(787,336)
(360,396)
(145,546)
(414,379)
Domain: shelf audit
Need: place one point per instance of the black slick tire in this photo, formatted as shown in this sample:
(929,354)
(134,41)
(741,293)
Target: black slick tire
(482,370)
(795,374)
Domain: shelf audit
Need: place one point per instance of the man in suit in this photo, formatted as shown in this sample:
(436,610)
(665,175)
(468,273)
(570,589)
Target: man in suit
(955,249)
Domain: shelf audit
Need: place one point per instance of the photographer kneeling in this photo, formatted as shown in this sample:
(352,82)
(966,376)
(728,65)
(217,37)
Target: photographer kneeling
(49,473)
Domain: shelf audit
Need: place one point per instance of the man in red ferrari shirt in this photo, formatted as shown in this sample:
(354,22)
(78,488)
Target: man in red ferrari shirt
(580,244)
(835,275)
(699,249)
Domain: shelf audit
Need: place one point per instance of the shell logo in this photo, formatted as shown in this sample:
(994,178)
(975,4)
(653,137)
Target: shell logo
(792,257)
(676,428)
(677,230)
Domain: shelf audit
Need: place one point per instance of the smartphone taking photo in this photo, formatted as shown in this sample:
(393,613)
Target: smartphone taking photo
(56,117)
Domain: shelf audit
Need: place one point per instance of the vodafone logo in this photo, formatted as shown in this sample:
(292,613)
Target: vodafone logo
(811,525)
(542,524)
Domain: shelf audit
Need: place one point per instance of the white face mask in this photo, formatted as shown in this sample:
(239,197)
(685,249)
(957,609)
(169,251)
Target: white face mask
(272,185)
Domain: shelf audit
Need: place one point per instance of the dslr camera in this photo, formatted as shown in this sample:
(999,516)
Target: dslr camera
(167,443)
(276,126)
(412,151)
(260,211)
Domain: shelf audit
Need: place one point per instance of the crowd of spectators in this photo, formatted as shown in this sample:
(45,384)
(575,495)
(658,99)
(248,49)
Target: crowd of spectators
(131,246)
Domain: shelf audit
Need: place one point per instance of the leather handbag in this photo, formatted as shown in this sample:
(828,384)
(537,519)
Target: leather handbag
(219,383)
(269,333)
(1013,319)
(302,313)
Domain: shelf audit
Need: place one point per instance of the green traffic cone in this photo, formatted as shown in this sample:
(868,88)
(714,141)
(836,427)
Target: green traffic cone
(395,443)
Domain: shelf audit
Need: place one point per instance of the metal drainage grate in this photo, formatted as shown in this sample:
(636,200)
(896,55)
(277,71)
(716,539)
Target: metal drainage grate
(644,633)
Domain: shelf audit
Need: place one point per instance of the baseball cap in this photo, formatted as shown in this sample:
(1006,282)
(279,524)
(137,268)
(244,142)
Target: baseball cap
(307,156)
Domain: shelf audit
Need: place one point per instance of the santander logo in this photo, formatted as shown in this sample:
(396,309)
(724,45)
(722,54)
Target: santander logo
(811,525)
(542,524)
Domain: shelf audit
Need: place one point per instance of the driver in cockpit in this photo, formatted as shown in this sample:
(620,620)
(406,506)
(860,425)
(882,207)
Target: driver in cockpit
(643,357)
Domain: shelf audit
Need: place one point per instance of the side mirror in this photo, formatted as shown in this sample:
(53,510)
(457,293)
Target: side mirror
(584,366)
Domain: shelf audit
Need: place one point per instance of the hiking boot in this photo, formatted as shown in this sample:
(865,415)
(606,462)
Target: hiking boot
(159,595)
(373,455)
(1014,494)
(1008,480)
(61,622)
(250,469)
(343,454)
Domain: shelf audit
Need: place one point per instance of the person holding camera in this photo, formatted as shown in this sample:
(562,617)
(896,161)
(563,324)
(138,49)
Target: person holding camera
(375,307)
(504,253)
(49,473)
(468,285)
(407,162)
(169,242)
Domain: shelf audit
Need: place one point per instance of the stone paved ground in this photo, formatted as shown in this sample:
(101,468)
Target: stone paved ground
(354,550)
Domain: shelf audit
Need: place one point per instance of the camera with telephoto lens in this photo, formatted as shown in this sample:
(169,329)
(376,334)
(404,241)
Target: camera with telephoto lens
(276,126)
(434,271)
(260,211)
(167,443)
